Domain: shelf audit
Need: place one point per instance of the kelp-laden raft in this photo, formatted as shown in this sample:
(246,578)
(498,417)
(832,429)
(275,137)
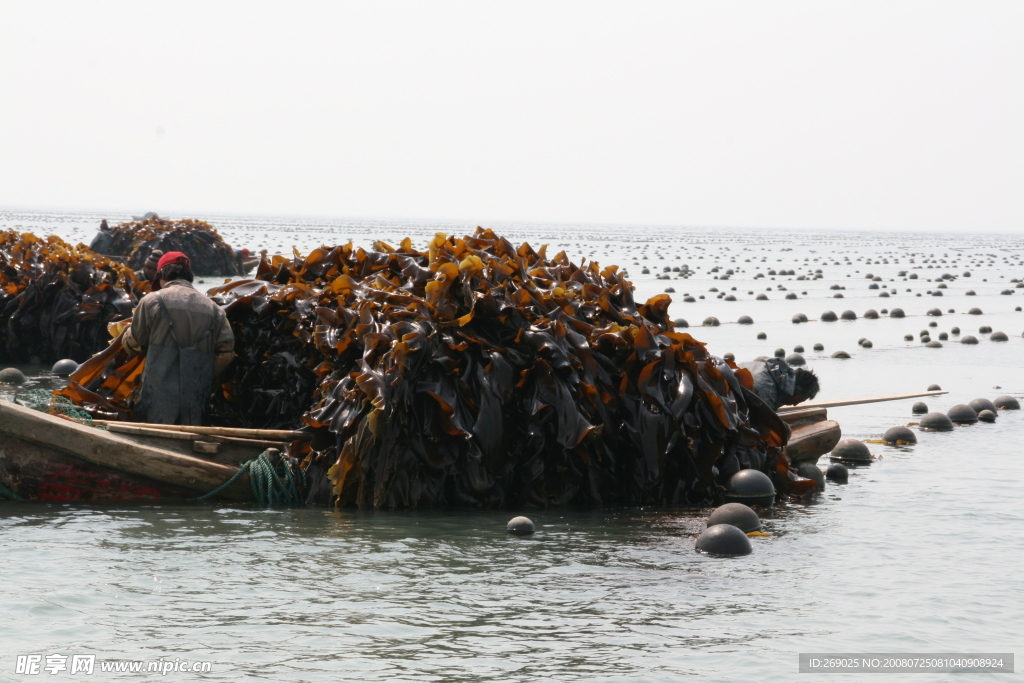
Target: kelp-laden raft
(135,240)
(476,373)
(56,299)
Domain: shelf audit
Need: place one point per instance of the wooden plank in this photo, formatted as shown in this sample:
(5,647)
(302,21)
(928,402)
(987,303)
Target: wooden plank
(264,434)
(804,416)
(813,441)
(137,430)
(119,452)
(858,401)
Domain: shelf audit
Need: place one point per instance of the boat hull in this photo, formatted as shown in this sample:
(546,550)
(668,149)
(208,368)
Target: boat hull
(49,458)
(39,474)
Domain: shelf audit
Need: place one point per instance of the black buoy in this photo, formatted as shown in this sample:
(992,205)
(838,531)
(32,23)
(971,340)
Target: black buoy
(798,349)
(968,339)
(919,408)
(848,315)
(64,367)
(934,311)
(933,344)
(908,337)
(829,317)
(899,435)
(980,404)
(962,414)
(795,359)
(840,354)
(897,313)
(1006,403)
(984,329)
(999,337)
(987,416)
(800,318)
(729,356)
(745,320)
(739,515)
(819,347)
(780,353)
(871,314)
(851,450)
(955,330)
(12,376)
(934,387)
(711,321)
(751,487)
(867,344)
(723,539)
(974,311)
(837,473)
(809,470)
(936,422)
(520,526)
(680,322)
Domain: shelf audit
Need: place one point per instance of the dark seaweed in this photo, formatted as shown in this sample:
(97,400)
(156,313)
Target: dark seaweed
(56,300)
(477,373)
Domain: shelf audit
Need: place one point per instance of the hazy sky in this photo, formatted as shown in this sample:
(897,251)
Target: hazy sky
(864,115)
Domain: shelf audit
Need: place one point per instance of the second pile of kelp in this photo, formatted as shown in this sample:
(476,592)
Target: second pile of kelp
(478,373)
(135,240)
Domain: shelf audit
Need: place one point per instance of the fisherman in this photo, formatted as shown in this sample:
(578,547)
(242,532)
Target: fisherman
(240,256)
(104,239)
(148,271)
(778,384)
(187,341)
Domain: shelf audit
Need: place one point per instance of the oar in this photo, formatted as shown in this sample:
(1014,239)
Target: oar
(857,401)
(237,432)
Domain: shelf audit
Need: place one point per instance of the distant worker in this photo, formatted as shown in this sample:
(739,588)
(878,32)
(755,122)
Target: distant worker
(104,239)
(187,341)
(148,272)
(240,257)
(778,384)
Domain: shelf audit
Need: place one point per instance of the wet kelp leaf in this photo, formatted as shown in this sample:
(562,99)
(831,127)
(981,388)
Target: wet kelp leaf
(209,253)
(56,299)
(477,373)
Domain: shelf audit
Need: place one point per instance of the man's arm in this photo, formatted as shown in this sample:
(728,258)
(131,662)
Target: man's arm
(136,337)
(224,346)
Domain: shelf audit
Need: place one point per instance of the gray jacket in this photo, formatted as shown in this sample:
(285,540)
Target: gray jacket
(774,381)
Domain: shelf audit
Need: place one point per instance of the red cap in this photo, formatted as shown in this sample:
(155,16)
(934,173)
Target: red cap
(172,257)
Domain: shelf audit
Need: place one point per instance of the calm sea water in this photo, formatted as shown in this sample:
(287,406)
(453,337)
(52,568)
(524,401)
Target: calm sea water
(920,552)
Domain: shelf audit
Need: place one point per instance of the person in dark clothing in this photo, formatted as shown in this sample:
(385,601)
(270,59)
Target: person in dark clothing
(778,384)
(103,240)
(148,272)
(187,341)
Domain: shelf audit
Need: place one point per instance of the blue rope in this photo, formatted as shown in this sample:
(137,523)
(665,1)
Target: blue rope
(272,485)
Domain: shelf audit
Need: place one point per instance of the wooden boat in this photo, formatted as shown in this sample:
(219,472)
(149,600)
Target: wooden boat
(51,458)
(813,434)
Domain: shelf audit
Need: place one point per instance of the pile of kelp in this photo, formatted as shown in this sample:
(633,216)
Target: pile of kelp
(478,373)
(56,299)
(135,240)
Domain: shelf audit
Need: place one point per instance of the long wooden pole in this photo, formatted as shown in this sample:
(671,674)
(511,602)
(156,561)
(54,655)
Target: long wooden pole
(857,401)
(264,434)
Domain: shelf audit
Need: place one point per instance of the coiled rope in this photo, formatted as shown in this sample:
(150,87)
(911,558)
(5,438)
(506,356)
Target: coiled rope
(273,485)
